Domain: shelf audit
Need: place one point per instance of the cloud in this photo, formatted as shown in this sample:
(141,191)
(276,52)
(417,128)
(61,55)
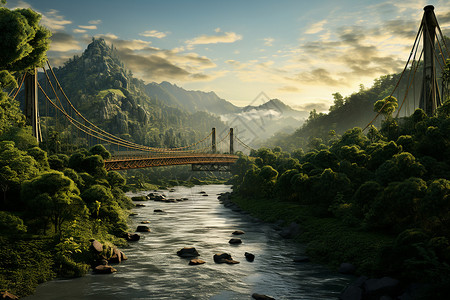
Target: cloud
(289,89)
(316,27)
(226,37)
(90,27)
(268,41)
(76,30)
(63,42)
(95,22)
(53,21)
(153,33)
(318,106)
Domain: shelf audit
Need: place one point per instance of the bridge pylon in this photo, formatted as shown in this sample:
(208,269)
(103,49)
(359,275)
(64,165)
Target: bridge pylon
(231,141)
(31,104)
(429,100)
(213,141)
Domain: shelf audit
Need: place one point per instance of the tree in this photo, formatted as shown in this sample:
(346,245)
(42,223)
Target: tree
(386,107)
(338,102)
(53,197)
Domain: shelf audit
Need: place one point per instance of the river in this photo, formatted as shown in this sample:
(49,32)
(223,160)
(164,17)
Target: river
(154,271)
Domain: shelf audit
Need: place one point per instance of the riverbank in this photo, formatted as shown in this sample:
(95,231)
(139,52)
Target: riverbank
(328,240)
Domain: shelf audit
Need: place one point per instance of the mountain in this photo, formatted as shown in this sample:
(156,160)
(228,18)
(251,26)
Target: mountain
(278,107)
(107,94)
(191,101)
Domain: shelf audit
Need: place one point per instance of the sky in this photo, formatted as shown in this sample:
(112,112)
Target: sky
(300,52)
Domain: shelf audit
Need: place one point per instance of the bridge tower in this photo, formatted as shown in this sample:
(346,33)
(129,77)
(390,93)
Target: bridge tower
(429,99)
(231,141)
(31,104)
(213,141)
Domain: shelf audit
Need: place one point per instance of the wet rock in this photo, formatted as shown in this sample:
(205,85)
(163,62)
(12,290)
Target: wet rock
(133,214)
(196,261)
(188,252)
(140,205)
(102,269)
(290,231)
(8,295)
(97,246)
(235,241)
(184,199)
(249,256)
(132,237)
(206,195)
(301,259)
(158,211)
(261,297)
(142,228)
(238,232)
(202,192)
(221,258)
(139,198)
(347,268)
(116,257)
(171,190)
(381,286)
(145,222)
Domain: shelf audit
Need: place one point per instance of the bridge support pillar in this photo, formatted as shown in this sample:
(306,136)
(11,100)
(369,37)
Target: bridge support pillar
(213,141)
(429,99)
(231,141)
(31,104)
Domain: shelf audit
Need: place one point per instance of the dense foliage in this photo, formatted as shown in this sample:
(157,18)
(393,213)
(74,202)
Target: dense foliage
(393,181)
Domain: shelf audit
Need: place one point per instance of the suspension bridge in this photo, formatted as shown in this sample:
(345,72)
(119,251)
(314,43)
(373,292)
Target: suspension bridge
(208,154)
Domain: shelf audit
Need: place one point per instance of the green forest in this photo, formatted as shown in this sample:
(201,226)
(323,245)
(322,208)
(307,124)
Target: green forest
(377,198)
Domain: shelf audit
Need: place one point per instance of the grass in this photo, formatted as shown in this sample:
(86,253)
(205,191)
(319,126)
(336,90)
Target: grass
(103,93)
(328,240)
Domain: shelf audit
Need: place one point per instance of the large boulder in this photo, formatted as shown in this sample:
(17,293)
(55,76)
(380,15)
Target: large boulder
(351,292)
(188,252)
(96,246)
(117,256)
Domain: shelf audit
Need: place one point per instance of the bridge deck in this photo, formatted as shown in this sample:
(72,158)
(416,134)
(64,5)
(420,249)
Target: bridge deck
(135,162)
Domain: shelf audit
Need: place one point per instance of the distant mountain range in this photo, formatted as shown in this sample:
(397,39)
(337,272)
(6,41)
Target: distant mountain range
(254,122)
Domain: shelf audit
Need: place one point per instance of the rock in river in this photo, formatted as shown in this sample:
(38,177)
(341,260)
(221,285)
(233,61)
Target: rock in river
(196,261)
(221,258)
(142,228)
(188,252)
(249,256)
(261,297)
(102,269)
(235,241)
(238,232)
(132,237)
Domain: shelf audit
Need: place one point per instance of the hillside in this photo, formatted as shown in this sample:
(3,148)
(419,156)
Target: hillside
(105,92)
(191,101)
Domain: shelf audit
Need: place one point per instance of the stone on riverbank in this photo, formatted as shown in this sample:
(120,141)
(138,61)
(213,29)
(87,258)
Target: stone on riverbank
(145,222)
(261,297)
(249,256)
(142,228)
(97,246)
(132,237)
(221,258)
(235,241)
(8,295)
(196,261)
(140,198)
(118,256)
(188,252)
(140,205)
(104,269)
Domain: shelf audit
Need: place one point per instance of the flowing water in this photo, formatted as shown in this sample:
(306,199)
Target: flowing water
(154,271)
